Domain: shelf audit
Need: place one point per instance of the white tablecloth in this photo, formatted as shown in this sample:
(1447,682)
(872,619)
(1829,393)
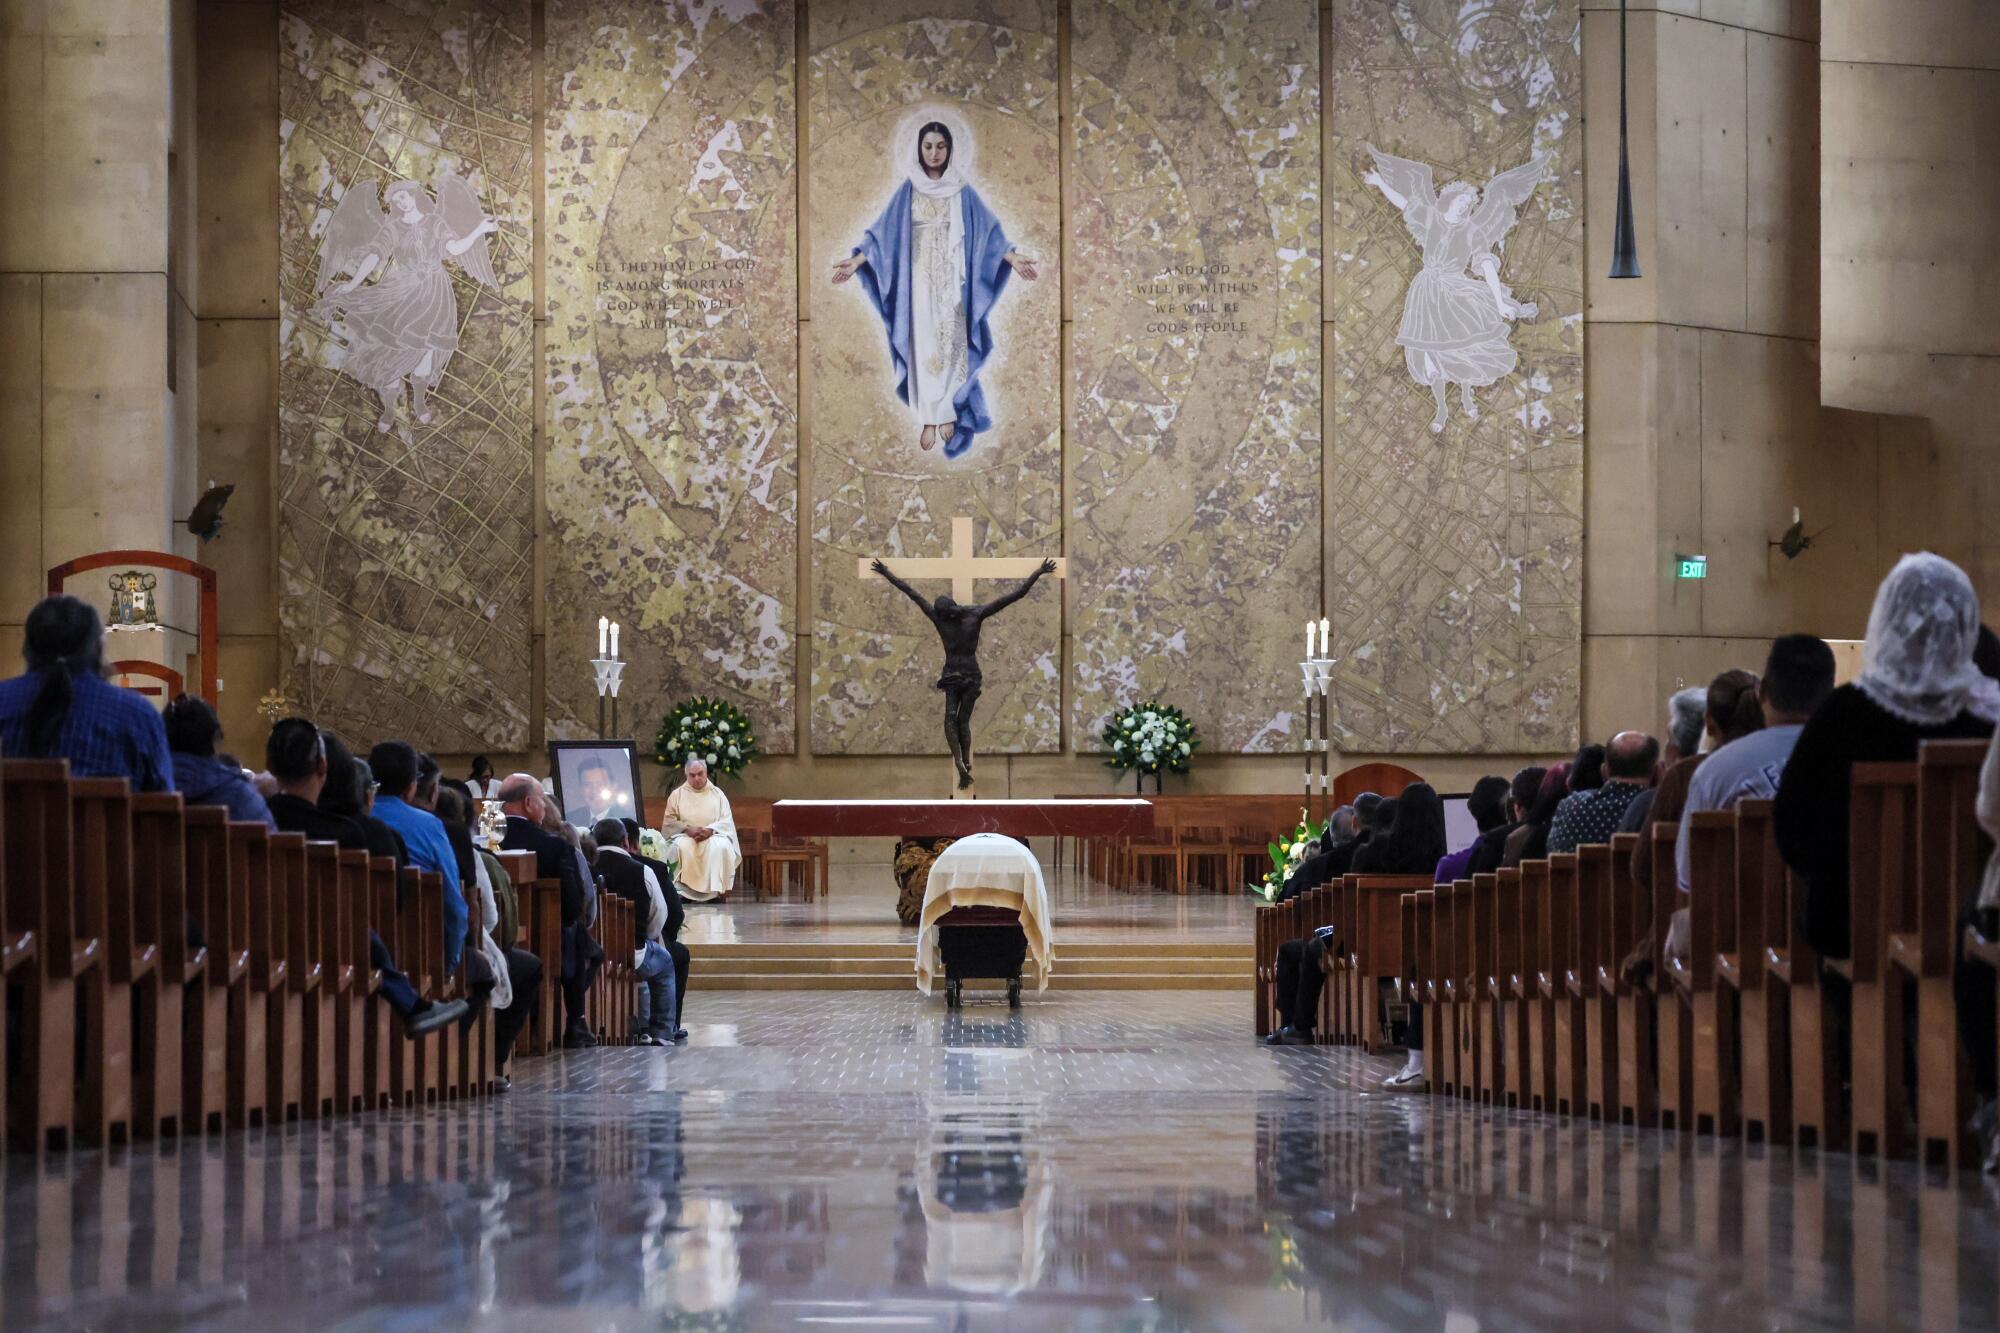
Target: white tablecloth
(988,870)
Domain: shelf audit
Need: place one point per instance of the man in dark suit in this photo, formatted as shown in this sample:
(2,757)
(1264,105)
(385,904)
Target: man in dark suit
(670,935)
(625,875)
(521,800)
(599,793)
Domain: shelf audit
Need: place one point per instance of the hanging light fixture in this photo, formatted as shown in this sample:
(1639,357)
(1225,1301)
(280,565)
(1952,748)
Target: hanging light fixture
(1624,245)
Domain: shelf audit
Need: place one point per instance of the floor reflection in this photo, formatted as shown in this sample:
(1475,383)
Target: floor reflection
(1106,1160)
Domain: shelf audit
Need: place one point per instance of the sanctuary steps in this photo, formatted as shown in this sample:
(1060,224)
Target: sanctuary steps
(889,965)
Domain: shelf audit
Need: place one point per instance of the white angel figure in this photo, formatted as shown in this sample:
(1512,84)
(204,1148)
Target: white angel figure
(404,325)
(1455,326)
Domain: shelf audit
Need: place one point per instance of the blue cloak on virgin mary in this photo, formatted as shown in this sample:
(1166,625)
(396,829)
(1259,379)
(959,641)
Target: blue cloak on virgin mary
(887,280)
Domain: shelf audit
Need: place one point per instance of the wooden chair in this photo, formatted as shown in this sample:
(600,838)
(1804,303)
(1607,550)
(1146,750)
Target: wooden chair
(1206,828)
(1951,856)
(1882,903)
(1162,847)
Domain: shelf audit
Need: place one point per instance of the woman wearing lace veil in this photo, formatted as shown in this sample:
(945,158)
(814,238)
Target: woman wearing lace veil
(1918,682)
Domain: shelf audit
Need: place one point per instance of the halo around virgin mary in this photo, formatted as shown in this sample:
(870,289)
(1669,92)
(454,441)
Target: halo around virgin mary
(933,265)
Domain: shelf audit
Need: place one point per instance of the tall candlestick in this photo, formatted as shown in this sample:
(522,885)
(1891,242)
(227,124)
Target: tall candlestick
(603,634)
(614,640)
(1325,636)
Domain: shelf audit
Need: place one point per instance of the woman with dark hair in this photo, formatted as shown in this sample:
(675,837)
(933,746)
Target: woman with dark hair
(483,785)
(1414,843)
(201,775)
(1530,842)
(350,786)
(1586,771)
(63,708)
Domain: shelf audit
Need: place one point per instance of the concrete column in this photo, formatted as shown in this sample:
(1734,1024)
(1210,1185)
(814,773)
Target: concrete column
(87,437)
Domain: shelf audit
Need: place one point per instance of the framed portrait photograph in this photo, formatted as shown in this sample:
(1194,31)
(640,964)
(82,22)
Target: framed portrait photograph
(596,780)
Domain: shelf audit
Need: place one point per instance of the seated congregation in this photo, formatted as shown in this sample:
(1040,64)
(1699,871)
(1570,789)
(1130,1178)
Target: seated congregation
(1783,923)
(189,945)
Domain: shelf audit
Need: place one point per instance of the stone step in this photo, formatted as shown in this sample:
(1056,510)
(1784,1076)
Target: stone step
(904,979)
(1227,949)
(1066,963)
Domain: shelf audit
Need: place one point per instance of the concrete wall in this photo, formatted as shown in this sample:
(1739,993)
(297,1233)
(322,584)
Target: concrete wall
(89,446)
(1909,272)
(1705,416)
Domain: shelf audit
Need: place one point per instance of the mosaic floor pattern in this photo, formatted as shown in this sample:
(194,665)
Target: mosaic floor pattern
(1104,1160)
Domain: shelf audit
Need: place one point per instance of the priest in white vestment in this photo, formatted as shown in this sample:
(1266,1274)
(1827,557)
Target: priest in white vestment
(704,836)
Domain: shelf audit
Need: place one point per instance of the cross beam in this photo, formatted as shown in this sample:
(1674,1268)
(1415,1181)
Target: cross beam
(961,566)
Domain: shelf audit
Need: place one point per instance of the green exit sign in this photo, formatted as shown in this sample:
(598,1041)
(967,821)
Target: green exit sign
(1690,566)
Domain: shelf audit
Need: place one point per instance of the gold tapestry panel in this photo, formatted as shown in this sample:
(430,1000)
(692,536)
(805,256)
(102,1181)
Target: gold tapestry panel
(1194,361)
(672,470)
(406,498)
(879,74)
(1454,506)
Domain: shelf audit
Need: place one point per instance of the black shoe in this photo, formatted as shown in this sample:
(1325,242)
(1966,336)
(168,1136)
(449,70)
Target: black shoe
(1294,1037)
(680,1034)
(578,1039)
(432,1017)
(501,1083)
(1277,1037)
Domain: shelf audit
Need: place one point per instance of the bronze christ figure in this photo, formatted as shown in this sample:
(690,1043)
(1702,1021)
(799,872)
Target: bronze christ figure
(958,629)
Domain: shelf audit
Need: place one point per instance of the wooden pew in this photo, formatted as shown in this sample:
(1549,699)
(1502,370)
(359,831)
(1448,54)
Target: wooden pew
(1426,990)
(255,912)
(1410,971)
(1631,919)
(1763,1016)
(1711,904)
(45,907)
(1570,1024)
(321,984)
(1673,1016)
(161,912)
(1951,856)
(102,864)
(205,1045)
(1374,934)
(1540,974)
(1486,981)
(1514,980)
(1882,903)
(361,1022)
(1596,972)
(286,938)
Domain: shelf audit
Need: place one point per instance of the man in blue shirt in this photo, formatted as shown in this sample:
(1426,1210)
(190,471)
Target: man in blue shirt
(395,767)
(63,708)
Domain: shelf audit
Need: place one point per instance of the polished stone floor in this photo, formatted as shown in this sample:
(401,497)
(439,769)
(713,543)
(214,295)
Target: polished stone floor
(1125,1160)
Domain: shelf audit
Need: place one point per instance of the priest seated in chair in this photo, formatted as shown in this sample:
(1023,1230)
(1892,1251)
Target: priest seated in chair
(705,850)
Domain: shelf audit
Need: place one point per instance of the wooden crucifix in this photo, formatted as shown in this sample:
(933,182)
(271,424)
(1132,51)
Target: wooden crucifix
(957,619)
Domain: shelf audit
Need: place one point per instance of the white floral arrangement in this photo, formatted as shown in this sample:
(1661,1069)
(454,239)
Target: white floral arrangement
(711,730)
(1152,737)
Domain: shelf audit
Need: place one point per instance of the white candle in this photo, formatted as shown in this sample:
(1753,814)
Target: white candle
(1325,636)
(603,632)
(1309,638)
(614,639)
